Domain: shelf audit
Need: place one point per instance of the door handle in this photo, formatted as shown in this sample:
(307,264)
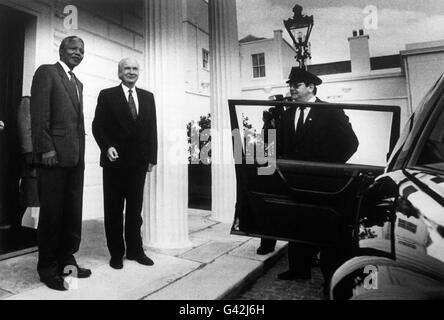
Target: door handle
(2,125)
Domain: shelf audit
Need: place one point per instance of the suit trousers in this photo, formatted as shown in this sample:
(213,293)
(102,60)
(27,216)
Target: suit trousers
(268,244)
(60,219)
(122,185)
(300,259)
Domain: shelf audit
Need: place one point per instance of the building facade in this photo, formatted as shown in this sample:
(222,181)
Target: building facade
(400,79)
(171,40)
(197,62)
(265,65)
(174,40)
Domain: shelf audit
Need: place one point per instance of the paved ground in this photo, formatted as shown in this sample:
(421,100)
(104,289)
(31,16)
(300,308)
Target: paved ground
(216,266)
(268,287)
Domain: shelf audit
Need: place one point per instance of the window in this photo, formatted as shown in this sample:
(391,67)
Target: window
(258,65)
(206,59)
(432,154)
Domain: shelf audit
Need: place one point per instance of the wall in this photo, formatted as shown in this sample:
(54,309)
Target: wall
(424,64)
(272,67)
(288,59)
(197,79)
(279,59)
(386,87)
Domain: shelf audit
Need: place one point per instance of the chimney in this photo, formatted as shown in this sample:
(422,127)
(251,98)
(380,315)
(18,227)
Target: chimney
(359,52)
(278,35)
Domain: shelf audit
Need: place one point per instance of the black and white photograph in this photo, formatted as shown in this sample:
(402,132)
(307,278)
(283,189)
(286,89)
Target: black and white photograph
(218,155)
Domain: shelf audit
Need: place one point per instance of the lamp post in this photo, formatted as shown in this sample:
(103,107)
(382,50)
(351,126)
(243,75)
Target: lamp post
(299,27)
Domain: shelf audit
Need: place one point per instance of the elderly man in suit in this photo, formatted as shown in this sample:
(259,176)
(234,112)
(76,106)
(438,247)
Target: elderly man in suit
(125,130)
(58,136)
(317,135)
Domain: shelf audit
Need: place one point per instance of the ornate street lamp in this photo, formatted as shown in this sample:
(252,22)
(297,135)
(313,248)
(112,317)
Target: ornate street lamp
(299,27)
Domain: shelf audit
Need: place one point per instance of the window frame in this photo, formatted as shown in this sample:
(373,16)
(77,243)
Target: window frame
(407,150)
(258,66)
(428,127)
(394,132)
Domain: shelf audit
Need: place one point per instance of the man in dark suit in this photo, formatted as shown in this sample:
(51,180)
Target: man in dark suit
(125,130)
(317,135)
(58,136)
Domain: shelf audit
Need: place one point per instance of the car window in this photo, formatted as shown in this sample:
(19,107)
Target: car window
(432,154)
(332,133)
(413,127)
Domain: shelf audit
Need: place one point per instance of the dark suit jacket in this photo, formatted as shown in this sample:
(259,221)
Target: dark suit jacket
(113,126)
(57,122)
(327,136)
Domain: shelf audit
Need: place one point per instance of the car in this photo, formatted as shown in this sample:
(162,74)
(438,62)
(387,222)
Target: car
(401,218)
(382,212)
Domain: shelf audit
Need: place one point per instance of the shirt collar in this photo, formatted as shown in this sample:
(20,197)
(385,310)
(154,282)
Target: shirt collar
(126,89)
(313,99)
(64,66)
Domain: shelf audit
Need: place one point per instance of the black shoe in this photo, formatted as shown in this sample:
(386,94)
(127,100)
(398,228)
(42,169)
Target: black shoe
(263,250)
(83,273)
(80,273)
(142,259)
(55,283)
(294,275)
(116,263)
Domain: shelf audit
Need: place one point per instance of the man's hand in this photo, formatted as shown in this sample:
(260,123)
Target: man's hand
(49,159)
(112,154)
(150,167)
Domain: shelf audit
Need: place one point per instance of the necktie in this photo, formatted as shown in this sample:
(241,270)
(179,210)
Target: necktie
(300,124)
(74,82)
(132,104)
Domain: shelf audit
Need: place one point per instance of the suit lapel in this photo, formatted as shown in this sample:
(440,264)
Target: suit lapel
(142,105)
(80,95)
(310,118)
(69,88)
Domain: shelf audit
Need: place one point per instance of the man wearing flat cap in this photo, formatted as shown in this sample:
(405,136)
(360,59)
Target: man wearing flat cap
(317,135)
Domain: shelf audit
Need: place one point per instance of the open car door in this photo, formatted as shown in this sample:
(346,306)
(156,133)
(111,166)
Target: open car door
(309,202)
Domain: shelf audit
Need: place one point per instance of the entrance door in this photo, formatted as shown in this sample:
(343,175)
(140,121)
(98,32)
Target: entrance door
(12,37)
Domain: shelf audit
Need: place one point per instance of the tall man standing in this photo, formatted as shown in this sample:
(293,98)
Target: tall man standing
(125,130)
(58,135)
(321,135)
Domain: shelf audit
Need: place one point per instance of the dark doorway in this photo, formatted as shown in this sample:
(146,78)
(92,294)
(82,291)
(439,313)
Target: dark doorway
(13,237)
(199,186)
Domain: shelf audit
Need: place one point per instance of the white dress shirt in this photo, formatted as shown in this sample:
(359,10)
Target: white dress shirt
(67,70)
(306,112)
(126,92)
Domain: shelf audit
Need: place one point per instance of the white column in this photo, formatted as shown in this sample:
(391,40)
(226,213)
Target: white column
(166,192)
(225,84)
